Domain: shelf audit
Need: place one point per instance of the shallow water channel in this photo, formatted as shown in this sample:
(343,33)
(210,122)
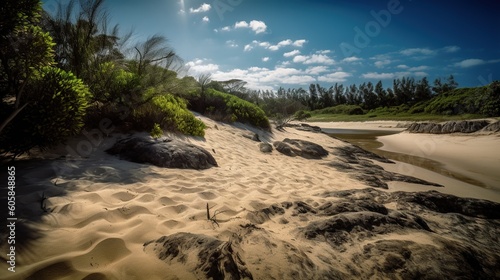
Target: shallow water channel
(367,139)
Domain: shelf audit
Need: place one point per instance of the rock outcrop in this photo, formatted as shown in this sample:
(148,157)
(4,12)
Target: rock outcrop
(358,163)
(493,127)
(168,153)
(302,148)
(266,148)
(448,127)
(350,234)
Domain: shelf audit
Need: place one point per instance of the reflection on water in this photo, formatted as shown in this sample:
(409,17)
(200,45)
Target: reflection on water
(367,139)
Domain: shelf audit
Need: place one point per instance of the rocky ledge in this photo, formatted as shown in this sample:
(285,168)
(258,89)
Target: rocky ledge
(451,127)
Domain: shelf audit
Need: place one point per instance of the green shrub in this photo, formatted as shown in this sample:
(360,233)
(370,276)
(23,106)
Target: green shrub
(156,132)
(231,108)
(302,115)
(170,113)
(57,101)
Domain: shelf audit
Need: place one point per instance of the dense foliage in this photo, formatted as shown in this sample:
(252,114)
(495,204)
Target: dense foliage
(230,108)
(56,102)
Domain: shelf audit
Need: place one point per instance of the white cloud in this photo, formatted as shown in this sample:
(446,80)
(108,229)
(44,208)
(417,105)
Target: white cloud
(265,59)
(451,49)
(402,66)
(232,43)
(199,66)
(313,59)
(316,70)
(292,53)
(226,28)
(335,77)
(257,26)
(262,44)
(206,19)
(247,48)
(283,43)
(375,75)
(299,43)
(382,63)
(417,51)
(351,59)
(241,24)
(324,52)
(202,9)
(470,62)
(418,68)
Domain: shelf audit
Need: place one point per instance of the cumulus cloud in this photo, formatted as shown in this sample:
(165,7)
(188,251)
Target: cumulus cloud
(403,66)
(382,63)
(292,53)
(257,26)
(418,68)
(451,49)
(375,75)
(351,59)
(335,77)
(313,59)
(206,19)
(418,51)
(299,43)
(470,63)
(200,66)
(316,70)
(265,59)
(202,9)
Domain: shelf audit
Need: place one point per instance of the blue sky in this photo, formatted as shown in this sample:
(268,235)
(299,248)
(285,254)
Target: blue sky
(294,43)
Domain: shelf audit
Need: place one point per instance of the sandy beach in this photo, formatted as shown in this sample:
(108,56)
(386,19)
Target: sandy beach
(90,218)
(476,156)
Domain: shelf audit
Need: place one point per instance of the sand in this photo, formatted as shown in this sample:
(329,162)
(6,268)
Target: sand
(476,156)
(89,217)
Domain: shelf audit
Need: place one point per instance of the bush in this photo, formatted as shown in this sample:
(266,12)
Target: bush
(57,101)
(170,113)
(302,115)
(228,107)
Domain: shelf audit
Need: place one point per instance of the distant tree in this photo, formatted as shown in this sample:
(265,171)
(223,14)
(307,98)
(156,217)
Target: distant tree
(313,97)
(381,94)
(423,90)
(440,87)
(339,96)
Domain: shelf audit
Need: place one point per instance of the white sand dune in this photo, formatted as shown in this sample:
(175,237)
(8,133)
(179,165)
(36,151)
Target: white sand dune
(100,210)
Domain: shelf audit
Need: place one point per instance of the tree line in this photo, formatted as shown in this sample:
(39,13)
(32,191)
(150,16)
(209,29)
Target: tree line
(404,91)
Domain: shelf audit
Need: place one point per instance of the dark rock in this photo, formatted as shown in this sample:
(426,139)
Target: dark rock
(252,136)
(445,203)
(363,220)
(266,148)
(215,259)
(353,153)
(353,160)
(168,153)
(493,127)
(448,127)
(283,148)
(263,215)
(308,127)
(302,148)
